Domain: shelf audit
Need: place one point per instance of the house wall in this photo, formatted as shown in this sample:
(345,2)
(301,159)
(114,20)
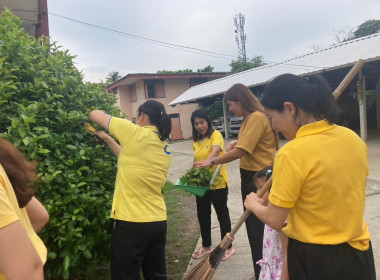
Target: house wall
(124,102)
(173,88)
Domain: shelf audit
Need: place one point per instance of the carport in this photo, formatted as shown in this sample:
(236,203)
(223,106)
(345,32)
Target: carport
(333,63)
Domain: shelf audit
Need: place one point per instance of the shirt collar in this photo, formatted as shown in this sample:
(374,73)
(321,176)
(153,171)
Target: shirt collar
(151,127)
(314,128)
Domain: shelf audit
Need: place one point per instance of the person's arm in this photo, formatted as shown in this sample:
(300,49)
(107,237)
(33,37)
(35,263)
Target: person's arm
(37,214)
(19,259)
(234,154)
(115,147)
(100,118)
(271,215)
(215,150)
(231,145)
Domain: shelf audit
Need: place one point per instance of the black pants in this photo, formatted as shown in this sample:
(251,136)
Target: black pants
(137,246)
(218,198)
(329,262)
(255,228)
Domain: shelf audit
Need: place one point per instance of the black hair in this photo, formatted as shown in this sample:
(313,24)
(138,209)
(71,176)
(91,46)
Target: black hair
(312,94)
(157,116)
(202,114)
(266,172)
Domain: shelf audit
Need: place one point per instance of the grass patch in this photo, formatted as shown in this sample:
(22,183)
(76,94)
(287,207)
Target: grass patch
(183,230)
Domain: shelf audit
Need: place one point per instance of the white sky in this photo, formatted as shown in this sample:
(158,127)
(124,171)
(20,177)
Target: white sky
(276,29)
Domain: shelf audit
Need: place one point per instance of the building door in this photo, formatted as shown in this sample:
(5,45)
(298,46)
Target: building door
(176,127)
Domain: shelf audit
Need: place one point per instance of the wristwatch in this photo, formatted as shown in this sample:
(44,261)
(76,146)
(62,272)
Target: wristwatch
(212,161)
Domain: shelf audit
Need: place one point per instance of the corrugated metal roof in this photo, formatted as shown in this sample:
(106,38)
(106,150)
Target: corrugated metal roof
(334,57)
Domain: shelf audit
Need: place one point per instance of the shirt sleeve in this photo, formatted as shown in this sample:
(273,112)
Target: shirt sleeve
(217,140)
(7,213)
(251,133)
(122,129)
(287,182)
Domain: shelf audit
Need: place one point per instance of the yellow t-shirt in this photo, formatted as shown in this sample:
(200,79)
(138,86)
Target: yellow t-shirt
(10,213)
(258,140)
(321,176)
(202,150)
(143,164)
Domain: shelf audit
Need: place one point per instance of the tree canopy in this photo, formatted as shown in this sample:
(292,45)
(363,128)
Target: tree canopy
(206,69)
(240,64)
(112,77)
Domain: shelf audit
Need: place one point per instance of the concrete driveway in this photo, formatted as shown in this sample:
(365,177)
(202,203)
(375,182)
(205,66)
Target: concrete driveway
(240,265)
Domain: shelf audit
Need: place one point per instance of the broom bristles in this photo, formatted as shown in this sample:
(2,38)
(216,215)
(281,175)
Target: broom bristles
(202,271)
(206,268)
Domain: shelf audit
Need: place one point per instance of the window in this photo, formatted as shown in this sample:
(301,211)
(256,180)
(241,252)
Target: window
(154,88)
(132,92)
(197,81)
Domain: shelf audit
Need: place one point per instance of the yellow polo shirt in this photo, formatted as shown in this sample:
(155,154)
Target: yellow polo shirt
(202,149)
(10,213)
(143,164)
(258,140)
(321,176)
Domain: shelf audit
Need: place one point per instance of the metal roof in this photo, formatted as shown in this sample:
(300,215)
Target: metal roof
(334,57)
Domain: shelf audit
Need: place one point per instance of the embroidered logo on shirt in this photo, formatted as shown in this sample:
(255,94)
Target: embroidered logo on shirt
(167,150)
(207,147)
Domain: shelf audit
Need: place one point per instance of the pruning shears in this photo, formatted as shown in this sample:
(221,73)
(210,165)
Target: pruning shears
(91,129)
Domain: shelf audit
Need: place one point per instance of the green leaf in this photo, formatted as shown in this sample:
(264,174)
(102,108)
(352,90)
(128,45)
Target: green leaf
(71,147)
(66,262)
(87,254)
(52,255)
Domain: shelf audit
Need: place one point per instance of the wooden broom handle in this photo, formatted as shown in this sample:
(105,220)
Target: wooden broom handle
(246,214)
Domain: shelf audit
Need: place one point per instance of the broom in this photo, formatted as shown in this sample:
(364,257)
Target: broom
(207,267)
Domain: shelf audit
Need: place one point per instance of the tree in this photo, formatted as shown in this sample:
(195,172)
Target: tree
(347,33)
(184,71)
(367,28)
(112,77)
(208,68)
(240,65)
(44,102)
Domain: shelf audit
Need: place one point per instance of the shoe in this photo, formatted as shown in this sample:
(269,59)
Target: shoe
(201,253)
(228,253)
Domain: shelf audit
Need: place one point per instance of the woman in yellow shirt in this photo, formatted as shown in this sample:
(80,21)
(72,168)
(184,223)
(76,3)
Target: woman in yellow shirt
(138,207)
(319,184)
(255,147)
(209,143)
(21,217)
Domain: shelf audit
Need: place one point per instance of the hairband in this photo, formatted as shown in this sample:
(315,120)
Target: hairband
(269,171)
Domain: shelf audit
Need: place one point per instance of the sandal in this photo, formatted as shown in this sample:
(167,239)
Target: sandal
(201,253)
(228,254)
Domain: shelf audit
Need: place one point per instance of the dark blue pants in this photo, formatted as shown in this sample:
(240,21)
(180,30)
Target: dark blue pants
(218,198)
(138,246)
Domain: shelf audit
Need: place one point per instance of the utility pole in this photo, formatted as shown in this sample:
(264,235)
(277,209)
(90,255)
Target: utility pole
(240,37)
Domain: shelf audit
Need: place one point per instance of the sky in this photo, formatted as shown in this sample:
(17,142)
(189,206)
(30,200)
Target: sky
(275,29)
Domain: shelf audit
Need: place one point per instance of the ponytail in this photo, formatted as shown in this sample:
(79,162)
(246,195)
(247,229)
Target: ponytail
(157,116)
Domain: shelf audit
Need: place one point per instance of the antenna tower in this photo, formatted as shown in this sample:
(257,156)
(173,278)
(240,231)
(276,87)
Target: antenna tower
(240,37)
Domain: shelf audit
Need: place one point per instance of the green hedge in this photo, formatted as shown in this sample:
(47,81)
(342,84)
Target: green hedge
(43,102)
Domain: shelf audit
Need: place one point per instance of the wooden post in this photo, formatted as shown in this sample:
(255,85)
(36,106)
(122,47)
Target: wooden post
(226,134)
(362,106)
(378,103)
